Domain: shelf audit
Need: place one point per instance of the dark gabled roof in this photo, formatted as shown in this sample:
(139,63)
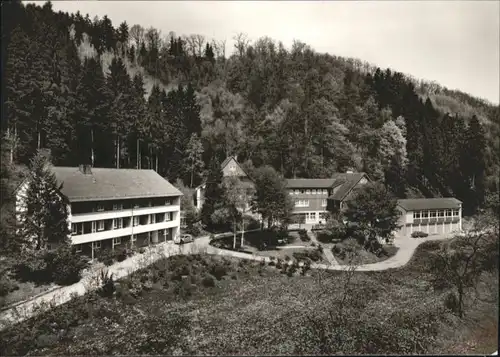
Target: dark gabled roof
(226,161)
(310,183)
(224,164)
(416,204)
(347,182)
(108,184)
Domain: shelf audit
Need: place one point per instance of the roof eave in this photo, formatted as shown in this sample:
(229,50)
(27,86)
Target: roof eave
(88,199)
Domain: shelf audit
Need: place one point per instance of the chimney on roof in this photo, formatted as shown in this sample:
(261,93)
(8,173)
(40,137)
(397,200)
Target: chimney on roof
(85,169)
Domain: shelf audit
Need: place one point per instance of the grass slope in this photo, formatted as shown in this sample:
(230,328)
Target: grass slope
(172,308)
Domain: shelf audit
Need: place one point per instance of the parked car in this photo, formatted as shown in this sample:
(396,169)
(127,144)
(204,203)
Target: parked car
(183,238)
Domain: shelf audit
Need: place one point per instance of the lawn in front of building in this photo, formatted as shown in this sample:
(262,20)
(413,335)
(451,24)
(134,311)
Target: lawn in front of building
(290,248)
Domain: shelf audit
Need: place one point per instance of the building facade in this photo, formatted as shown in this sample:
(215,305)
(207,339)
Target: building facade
(314,198)
(230,168)
(429,215)
(111,208)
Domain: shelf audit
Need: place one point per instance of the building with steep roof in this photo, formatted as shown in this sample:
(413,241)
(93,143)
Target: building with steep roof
(230,167)
(115,207)
(313,198)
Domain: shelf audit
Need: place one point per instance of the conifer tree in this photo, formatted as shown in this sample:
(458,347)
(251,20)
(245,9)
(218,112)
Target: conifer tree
(120,94)
(213,192)
(138,117)
(194,161)
(45,219)
(473,163)
(92,107)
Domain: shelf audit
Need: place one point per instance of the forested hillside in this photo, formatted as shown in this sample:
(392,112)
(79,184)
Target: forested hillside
(120,95)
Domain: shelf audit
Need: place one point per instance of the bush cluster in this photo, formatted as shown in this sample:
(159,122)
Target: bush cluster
(108,284)
(304,237)
(7,285)
(419,234)
(251,223)
(108,257)
(62,266)
(195,229)
(324,236)
(314,255)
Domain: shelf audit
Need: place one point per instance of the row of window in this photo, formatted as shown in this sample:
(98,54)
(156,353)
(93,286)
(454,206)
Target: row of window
(97,226)
(308,191)
(118,240)
(436,213)
(312,215)
(119,206)
(101,207)
(305,203)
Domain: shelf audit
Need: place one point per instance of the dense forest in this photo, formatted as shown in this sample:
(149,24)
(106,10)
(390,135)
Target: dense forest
(126,96)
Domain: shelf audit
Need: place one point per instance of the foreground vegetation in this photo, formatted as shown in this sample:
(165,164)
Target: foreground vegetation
(211,305)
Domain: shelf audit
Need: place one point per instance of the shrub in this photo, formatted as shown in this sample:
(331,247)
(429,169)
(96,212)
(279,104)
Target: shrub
(62,266)
(282,236)
(32,268)
(195,229)
(291,269)
(218,271)
(251,223)
(142,250)
(65,266)
(304,237)
(419,234)
(324,236)
(108,285)
(121,255)
(106,256)
(6,285)
(183,290)
(305,267)
(451,302)
(320,248)
(208,281)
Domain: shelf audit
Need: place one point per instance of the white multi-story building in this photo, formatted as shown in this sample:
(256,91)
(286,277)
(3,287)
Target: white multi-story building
(111,208)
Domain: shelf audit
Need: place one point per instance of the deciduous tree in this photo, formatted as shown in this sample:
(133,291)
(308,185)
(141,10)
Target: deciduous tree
(372,211)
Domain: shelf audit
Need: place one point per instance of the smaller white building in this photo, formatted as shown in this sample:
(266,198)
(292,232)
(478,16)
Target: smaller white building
(429,215)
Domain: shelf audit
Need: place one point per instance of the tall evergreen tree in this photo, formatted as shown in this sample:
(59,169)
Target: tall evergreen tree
(191,110)
(92,107)
(120,93)
(45,219)
(138,115)
(473,163)
(194,161)
(213,192)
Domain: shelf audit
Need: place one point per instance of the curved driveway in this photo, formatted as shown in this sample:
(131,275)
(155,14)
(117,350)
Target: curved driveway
(119,270)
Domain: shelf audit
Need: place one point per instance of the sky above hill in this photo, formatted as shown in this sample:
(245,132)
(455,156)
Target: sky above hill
(455,43)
